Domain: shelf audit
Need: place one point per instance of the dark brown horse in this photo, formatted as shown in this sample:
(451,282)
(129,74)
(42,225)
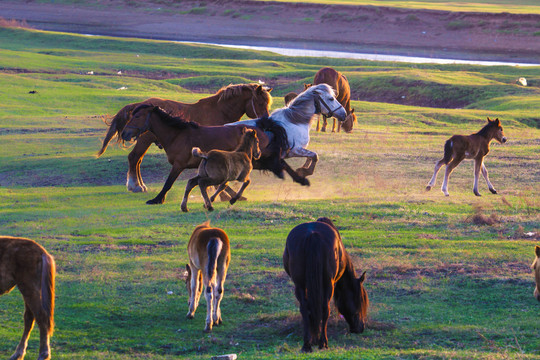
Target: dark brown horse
(218,167)
(228,105)
(27,265)
(209,256)
(475,146)
(319,266)
(289,97)
(179,137)
(340,84)
(536,268)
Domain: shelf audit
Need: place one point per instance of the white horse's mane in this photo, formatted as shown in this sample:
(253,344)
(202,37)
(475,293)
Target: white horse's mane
(300,109)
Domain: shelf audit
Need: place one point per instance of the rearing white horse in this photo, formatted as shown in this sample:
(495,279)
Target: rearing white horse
(296,119)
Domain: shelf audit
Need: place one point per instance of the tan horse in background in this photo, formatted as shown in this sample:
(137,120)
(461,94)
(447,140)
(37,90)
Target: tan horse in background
(536,268)
(209,256)
(476,147)
(218,167)
(228,105)
(27,265)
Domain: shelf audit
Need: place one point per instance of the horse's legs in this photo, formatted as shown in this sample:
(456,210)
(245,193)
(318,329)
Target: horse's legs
(325,122)
(20,351)
(35,312)
(220,188)
(134,180)
(486,177)
(312,158)
(220,279)
(203,184)
(195,292)
(209,295)
(477,168)
(449,168)
(300,295)
(327,296)
(189,186)
(334,126)
(318,123)
(245,184)
(173,175)
(431,182)
(296,178)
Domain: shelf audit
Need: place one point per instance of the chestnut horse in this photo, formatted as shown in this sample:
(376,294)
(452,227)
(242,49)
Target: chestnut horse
(536,268)
(340,84)
(475,146)
(209,256)
(178,137)
(218,167)
(27,265)
(229,104)
(319,266)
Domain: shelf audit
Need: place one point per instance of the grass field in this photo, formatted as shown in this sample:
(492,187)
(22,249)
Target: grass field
(448,278)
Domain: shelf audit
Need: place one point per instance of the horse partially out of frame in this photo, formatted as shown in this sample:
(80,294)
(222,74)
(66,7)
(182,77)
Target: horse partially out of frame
(536,268)
(476,147)
(28,266)
(209,256)
(319,266)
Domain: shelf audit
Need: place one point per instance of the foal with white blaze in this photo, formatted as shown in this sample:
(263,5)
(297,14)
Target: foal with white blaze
(209,256)
(475,146)
(297,117)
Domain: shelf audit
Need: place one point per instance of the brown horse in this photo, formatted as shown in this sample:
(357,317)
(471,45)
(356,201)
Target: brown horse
(218,167)
(319,266)
(27,265)
(475,146)
(179,137)
(339,82)
(536,268)
(228,105)
(289,97)
(209,257)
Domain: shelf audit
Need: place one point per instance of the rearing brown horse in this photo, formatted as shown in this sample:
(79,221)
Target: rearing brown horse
(475,146)
(340,84)
(320,268)
(228,105)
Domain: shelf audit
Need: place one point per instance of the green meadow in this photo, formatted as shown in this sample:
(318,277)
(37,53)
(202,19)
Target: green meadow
(447,277)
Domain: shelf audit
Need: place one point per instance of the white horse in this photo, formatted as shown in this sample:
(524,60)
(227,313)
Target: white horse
(296,119)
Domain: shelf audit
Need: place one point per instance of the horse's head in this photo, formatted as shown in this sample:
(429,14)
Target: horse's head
(354,307)
(326,102)
(259,104)
(139,122)
(250,142)
(347,125)
(536,268)
(498,130)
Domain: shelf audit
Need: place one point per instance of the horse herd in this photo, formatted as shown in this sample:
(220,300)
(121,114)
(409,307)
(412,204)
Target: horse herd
(209,135)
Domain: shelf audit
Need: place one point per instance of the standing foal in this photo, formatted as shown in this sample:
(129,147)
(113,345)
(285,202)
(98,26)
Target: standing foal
(209,257)
(27,265)
(475,146)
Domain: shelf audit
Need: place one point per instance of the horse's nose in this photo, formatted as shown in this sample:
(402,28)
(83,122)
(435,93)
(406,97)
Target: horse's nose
(504,139)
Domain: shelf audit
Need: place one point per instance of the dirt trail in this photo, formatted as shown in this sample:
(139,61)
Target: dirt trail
(382,30)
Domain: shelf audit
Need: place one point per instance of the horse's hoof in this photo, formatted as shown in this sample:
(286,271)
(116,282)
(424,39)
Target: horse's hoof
(477,194)
(232,201)
(208,328)
(428,187)
(190,316)
(155,201)
(44,356)
(184,208)
(305,182)
(493,191)
(210,208)
(306,349)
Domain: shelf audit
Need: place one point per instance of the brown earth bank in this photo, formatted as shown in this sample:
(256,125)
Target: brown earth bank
(367,29)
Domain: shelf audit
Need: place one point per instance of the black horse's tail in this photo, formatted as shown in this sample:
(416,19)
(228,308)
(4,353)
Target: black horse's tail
(116,126)
(213,249)
(448,151)
(48,272)
(279,144)
(314,281)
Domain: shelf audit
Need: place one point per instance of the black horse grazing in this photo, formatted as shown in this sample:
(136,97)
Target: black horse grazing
(319,266)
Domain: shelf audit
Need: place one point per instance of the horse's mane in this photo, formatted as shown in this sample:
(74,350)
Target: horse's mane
(487,128)
(230,91)
(167,118)
(299,109)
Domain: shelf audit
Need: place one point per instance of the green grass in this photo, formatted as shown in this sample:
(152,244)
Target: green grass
(441,285)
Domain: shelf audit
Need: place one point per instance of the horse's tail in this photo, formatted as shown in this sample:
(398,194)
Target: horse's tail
(198,153)
(213,249)
(279,145)
(314,281)
(116,126)
(48,273)
(448,151)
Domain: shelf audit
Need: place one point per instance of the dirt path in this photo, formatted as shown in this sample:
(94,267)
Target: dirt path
(382,30)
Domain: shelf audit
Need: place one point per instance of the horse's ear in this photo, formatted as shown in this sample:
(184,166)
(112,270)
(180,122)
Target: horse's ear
(259,89)
(307,86)
(497,122)
(352,111)
(269,89)
(489,120)
(362,278)
(537,250)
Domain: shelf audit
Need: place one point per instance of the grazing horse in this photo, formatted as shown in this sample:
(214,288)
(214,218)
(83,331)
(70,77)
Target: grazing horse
(319,266)
(218,167)
(179,137)
(339,82)
(536,268)
(209,257)
(296,119)
(475,146)
(27,265)
(228,105)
